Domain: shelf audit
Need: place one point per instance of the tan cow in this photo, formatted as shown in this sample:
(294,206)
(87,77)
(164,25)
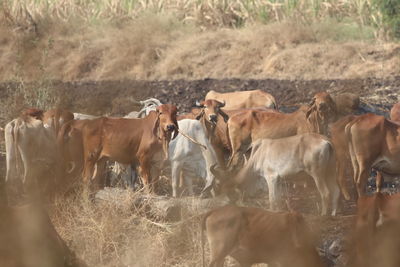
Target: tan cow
(31,154)
(374,142)
(375,239)
(128,141)
(28,238)
(253,235)
(214,121)
(244,99)
(247,126)
(277,159)
(395,112)
(343,160)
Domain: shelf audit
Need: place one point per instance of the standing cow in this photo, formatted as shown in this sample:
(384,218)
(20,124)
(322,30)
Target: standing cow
(184,154)
(276,159)
(128,141)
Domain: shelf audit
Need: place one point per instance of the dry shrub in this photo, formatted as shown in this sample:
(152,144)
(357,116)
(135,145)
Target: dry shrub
(115,234)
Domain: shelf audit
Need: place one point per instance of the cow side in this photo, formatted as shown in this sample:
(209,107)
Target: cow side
(395,112)
(373,142)
(252,235)
(244,99)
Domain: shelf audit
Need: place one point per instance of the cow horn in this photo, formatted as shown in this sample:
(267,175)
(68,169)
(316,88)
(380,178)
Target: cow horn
(198,103)
(214,170)
(222,104)
(71,169)
(224,115)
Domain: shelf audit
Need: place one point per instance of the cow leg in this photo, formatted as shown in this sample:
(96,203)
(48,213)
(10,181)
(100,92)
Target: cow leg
(379,181)
(273,191)
(362,178)
(144,163)
(323,191)
(176,168)
(189,183)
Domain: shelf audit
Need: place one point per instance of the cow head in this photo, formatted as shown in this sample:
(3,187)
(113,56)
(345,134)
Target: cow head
(321,112)
(33,112)
(166,124)
(224,182)
(210,109)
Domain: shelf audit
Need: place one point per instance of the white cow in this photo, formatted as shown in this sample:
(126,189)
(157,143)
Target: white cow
(31,153)
(186,155)
(275,159)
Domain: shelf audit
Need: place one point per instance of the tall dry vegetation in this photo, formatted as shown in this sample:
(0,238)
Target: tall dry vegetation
(173,39)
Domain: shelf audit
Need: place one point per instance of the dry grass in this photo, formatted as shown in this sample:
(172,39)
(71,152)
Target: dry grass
(115,234)
(174,39)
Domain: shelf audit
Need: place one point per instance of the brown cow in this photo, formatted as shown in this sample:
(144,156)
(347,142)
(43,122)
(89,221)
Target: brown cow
(250,125)
(33,112)
(128,141)
(374,142)
(214,121)
(28,238)
(253,235)
(55,118)
(244,99)
(395,113)
(375,239)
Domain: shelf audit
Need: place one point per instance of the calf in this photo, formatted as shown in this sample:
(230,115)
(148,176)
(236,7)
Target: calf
(253,235)
(275,159)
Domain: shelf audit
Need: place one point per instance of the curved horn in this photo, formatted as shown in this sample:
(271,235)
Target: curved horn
(72,168)
(199,104)
(212,169)
(224,115)
(222,104)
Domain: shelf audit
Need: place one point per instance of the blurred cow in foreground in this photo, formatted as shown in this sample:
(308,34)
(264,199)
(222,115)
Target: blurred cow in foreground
(28,238)
(252,235)
(376,236)
(32,156)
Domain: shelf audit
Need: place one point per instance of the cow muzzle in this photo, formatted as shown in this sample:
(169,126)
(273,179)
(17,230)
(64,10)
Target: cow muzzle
(213,118)
(170,127)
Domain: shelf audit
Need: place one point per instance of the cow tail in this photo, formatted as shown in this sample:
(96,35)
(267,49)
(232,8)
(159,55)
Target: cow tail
(341,181)
(15,134)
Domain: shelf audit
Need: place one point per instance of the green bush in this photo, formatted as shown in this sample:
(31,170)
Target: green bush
(390,10)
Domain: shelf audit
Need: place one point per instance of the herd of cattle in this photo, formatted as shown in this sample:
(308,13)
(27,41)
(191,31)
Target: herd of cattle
(230,140)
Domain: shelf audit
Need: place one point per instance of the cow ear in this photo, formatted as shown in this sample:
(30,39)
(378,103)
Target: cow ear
(176,127)
(198,117)
(156,124)
(224,115)
(309,111)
